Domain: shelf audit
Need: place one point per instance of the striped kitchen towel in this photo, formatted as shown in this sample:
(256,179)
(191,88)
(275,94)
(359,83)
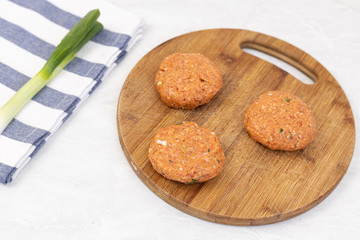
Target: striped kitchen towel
(29,32)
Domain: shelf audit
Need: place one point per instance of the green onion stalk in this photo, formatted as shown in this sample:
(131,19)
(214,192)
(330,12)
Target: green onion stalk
(63,54)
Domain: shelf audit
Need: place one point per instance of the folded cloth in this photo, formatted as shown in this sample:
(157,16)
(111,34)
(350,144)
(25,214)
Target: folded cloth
(29,32)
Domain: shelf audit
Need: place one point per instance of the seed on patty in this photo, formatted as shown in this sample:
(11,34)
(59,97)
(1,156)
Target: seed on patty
(195,153)
(161,142)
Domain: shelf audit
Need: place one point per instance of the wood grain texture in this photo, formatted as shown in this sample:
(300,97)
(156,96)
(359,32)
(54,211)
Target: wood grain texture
(258,185)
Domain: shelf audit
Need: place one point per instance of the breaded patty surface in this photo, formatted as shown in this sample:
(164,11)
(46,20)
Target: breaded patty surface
(280,121)
(187,80)
(186,153)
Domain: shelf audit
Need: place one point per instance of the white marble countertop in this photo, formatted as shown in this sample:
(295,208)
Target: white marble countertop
(80,185)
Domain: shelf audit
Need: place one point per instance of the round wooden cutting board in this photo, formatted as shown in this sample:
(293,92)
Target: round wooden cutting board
(258,185)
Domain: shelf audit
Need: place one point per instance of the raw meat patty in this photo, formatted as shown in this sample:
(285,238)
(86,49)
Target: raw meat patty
(187,80)
(280,121)
(186,153)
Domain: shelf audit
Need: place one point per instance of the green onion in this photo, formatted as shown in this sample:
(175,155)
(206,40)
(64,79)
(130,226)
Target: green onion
(64,53)
(192,181)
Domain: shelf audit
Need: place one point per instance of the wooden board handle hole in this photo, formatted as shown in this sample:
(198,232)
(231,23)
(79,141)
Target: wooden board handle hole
(281,60)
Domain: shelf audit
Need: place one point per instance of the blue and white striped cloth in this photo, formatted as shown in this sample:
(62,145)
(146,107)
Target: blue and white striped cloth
(29,32)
